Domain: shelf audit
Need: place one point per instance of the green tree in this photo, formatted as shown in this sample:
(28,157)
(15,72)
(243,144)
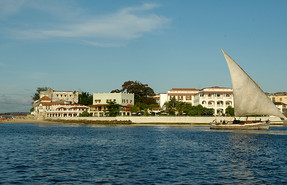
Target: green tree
(37,94)
(113,109)
(142,92)
(85,98)
(229,111)
(170,106)
(135,109)
(198,110)
(85,114)
(207,112)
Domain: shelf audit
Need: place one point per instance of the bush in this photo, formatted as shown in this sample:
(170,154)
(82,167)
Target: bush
(85,114)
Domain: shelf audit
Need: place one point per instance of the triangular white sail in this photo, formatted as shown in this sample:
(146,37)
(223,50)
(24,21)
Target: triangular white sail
(249,99)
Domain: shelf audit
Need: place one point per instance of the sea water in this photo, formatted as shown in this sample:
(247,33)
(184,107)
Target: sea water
(90,154)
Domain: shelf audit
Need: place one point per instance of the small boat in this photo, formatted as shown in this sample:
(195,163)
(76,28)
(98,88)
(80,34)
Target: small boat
(249,100)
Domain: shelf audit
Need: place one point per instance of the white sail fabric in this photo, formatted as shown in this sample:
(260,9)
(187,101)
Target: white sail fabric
(249,99)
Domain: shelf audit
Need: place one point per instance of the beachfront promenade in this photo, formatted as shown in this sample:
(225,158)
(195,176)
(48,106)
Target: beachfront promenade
(164,119)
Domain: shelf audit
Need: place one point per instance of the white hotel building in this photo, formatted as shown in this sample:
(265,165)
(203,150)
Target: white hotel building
(101,100)
(217,98)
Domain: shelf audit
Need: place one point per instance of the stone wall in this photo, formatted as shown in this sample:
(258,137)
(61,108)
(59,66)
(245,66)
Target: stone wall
(168,119)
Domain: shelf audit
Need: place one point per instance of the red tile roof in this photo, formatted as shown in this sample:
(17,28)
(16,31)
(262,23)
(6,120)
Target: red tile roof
(45,98)
(79,108)
(216,87)
(181,94)
(98,105)
(184,89)
(51,103)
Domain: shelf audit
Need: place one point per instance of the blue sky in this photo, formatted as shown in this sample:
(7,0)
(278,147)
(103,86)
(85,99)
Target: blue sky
(95,46)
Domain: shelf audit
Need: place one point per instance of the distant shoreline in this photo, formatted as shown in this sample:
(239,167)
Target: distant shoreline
(113,121)
(97,122)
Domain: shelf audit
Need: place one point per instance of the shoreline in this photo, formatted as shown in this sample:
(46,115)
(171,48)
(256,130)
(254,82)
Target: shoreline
(96,122)
(110,122)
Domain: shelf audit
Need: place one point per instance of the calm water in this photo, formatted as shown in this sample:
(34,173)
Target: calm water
(77,154)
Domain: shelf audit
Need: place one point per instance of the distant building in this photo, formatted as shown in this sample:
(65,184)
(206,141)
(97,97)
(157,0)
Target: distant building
(45,108)
(68,97)
(282,107)
(101,100)
(278,97)
(58,104)
(183,94)
(161,98)
(217,98)
(280,101)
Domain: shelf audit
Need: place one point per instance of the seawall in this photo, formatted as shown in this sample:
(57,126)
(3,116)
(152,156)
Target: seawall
(161,119)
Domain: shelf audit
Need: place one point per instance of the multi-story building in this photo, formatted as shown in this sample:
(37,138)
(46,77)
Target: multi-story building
(280,101)
(217,98)
(45,108)
(278,97)
(68,97)
(183,94)
(179,94)
(101,100)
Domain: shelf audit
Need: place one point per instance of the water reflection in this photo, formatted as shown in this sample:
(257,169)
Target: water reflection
(37,154)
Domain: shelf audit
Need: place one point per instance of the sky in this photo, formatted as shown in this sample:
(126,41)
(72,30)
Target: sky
(95,46)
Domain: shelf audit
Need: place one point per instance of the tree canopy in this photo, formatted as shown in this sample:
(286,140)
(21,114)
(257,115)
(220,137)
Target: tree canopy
(37,94)
(85,98)
(229,111)
(142,92)
(113,109)
(174,107)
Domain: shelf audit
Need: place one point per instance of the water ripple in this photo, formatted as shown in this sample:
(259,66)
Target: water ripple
(68,154)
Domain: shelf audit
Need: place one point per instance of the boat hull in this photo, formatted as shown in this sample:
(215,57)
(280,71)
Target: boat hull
(252,126)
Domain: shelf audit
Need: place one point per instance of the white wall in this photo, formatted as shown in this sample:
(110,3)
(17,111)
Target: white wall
(120,98)
(163,99)
(169,119)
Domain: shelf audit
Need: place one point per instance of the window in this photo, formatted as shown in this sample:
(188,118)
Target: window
(98,101)
(188,97)
(180,97)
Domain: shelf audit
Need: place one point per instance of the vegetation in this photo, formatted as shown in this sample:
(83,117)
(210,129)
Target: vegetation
(85,114)
(229,111)
(174,107)
(142,92)
(37,94)
(85,98)
(113,109)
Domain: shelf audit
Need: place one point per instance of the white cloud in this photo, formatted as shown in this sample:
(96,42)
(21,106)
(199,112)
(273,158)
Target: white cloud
(104,44)
(128,23)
